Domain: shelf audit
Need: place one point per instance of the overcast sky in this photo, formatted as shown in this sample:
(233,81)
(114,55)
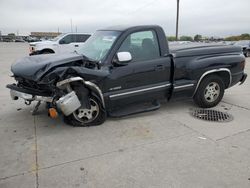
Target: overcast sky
(206,17)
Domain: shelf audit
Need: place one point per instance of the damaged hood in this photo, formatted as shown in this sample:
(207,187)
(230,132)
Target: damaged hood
(34,67)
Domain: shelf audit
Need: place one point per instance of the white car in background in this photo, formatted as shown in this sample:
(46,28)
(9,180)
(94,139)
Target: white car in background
(64,43)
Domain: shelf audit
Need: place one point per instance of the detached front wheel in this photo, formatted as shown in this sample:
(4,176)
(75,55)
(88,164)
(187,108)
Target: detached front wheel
(210,92)
(92,116)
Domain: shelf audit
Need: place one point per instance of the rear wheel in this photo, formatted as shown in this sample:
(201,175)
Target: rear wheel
(209,92)
(82,117)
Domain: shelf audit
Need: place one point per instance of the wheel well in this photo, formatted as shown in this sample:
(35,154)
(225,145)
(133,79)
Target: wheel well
(93,89)
(224,74)
(225,77)
(47,50)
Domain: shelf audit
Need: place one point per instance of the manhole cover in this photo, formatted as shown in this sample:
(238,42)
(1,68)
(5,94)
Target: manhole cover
(212,115)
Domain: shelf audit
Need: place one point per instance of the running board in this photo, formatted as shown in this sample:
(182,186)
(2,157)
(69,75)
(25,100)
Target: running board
(135,109)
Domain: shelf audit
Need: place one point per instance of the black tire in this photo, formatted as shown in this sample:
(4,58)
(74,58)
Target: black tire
(210,91)
(74,120)
(47,52)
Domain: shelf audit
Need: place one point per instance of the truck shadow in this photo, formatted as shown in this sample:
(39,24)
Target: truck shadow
(166,107)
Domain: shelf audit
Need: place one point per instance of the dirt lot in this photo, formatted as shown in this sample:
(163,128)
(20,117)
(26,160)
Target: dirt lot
(165,148)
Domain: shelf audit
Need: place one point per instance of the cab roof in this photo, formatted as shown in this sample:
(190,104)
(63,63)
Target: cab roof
(128,27)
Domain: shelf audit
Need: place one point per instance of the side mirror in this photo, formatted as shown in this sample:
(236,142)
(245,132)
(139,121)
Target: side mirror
(122,58)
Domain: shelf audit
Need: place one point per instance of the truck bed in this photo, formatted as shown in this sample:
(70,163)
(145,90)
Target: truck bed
(198,49)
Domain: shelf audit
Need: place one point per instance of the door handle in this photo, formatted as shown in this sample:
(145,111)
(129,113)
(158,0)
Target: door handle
(76,45)
(159,67)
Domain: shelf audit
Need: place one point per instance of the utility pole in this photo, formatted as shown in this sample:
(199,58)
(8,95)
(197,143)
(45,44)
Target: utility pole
(71,25)
(177,20)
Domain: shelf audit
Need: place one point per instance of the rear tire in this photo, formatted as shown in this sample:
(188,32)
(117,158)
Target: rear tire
(94,116)
(210,92)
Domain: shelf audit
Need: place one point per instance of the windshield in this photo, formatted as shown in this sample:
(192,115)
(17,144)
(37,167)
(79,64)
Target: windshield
(99,44)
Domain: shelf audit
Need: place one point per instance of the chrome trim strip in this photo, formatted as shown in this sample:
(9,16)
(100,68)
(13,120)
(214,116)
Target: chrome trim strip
(212,71)
(139,90)
(183,86)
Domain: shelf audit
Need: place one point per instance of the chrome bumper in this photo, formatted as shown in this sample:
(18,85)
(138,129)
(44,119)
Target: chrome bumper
(67,104)
(28,97)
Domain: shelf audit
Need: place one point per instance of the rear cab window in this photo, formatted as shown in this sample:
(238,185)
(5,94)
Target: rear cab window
(81,37)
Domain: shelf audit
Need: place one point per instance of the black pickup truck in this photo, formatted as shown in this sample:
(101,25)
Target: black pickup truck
(126,70)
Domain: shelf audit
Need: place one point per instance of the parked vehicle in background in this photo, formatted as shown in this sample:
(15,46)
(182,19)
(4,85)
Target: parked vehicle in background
(229,42)
(19,39)
(7,39)
(31,39)
(63,43)
(245,44)
(126,70)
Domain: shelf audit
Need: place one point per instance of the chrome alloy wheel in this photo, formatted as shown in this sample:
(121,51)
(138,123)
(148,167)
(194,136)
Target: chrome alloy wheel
(212,92)
(85,115)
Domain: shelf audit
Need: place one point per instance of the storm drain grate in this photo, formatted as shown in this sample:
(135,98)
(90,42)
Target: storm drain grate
(212,115)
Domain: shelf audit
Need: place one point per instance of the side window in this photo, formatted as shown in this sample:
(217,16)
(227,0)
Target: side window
(67,39)
(142,45)
(82,38)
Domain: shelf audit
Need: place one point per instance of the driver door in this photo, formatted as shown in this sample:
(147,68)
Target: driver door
(146,77)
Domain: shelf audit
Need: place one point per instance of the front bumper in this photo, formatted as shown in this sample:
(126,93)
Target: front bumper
(30,91)
(243,79)
(67,103)
(15,95)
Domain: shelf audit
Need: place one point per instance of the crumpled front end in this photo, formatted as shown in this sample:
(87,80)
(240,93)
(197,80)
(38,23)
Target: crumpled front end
(58,96)
(62,98)
(54,79)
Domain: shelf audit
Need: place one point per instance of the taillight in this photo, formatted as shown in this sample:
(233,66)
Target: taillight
(242,64)
(31,48)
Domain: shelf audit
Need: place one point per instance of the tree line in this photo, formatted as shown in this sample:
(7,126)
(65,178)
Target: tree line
(198,37)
